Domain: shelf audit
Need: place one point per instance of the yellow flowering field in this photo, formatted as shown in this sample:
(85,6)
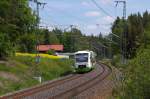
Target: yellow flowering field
(41,55)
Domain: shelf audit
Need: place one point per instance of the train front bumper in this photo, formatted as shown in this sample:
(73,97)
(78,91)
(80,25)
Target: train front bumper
(81,65)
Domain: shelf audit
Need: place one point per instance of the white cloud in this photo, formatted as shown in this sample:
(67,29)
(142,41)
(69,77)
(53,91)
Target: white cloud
(84,3)
(104,25)
(108,19)
(92,14)
(95,30)
(91,27)
(106,1)
(148,10)
(50,28)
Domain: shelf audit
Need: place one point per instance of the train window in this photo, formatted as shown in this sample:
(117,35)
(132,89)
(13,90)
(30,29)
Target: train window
(83,57)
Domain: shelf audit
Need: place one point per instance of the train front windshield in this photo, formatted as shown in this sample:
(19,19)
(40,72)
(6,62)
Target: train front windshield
(82,57)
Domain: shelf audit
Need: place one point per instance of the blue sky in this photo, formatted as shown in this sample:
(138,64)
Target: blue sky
(85,15)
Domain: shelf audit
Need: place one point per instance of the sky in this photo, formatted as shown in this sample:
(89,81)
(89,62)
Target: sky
(84,14)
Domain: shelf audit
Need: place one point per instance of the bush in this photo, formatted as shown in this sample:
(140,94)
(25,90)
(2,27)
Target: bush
(51,52)
(137,79)
(6,48)
(27,43)
(24,68)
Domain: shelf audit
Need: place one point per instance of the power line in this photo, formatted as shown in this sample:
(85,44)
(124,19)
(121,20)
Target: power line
(68,14)
(71,15)
(98,6)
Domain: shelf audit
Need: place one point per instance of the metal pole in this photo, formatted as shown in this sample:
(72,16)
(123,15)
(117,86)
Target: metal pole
(37,27)
(38,4)
(110,48)
(72,39)
(123,36)
(104,53)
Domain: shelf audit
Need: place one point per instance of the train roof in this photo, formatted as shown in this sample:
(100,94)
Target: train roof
(83,52)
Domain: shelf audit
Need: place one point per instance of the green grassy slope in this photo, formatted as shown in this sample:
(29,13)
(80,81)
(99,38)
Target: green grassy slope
(18,72)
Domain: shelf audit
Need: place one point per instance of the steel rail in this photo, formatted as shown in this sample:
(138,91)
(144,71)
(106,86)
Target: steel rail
(68,93)
(90,83)
(40,88)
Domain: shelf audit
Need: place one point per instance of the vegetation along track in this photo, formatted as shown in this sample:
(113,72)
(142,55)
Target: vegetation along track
(31,91)
(68,87)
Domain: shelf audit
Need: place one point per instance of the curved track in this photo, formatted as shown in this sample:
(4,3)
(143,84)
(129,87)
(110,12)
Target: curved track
(65,88)
(84,86)
(31,91)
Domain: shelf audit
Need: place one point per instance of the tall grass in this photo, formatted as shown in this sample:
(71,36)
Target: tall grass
(25,68)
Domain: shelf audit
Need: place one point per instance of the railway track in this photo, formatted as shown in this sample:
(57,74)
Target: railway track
(65,88)
(34,90)
(84,86)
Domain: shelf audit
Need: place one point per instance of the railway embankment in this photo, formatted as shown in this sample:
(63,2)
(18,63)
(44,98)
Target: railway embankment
(22,72)
(96,84)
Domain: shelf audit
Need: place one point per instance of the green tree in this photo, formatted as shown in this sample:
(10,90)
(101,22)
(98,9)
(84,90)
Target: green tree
(135,34)
(59,34)
(67,42)
(17,20)
(117,29)
(27,43)
(6,48)
(137,77)
(53,38)
(47,39)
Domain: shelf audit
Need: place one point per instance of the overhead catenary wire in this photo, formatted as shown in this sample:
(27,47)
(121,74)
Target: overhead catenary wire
(61,25)
(72,16)
(55,24)
(68,14)
(100,8)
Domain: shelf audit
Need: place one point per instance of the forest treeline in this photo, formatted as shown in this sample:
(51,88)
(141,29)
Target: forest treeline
(18,32)
(136,82)
(137,29)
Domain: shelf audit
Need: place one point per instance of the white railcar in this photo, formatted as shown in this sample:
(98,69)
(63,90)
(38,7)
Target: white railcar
(84,59)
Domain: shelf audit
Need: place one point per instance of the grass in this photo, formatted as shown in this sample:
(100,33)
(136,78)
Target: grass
(24,69)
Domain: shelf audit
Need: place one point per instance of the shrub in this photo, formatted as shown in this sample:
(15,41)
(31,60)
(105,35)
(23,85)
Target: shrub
(50,52)
(6,48)
(137,79)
